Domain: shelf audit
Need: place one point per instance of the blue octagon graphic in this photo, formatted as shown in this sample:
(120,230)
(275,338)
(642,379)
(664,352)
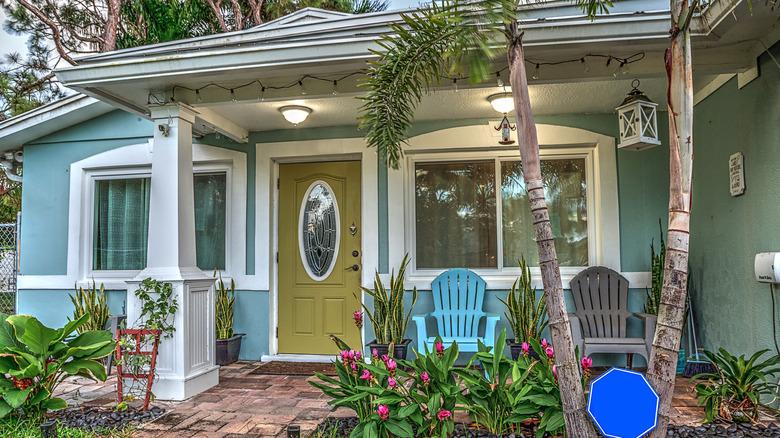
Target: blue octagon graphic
(623,404)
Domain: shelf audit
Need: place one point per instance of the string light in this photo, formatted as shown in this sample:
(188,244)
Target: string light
(623,69)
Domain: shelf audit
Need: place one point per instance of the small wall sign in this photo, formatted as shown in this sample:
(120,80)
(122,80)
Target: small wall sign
(737,174)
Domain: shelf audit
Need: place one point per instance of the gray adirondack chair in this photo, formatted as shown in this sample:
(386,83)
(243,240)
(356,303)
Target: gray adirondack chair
(599,323)
(457,299)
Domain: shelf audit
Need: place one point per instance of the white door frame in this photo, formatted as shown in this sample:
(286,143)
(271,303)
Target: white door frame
(269,156)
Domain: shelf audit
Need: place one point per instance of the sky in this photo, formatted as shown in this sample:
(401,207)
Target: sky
(12,43)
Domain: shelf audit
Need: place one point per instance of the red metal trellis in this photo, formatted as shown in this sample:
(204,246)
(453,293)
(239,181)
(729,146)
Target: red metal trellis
(120,333)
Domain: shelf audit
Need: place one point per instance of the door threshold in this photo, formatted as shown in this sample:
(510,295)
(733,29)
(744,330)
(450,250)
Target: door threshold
(320,358)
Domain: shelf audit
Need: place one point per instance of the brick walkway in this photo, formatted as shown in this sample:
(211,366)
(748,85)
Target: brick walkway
(247,405)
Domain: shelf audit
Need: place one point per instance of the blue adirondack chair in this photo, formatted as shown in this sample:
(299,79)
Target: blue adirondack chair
(457,300)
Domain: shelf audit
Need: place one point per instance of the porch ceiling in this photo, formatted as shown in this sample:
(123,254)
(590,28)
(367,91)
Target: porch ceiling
(594,97)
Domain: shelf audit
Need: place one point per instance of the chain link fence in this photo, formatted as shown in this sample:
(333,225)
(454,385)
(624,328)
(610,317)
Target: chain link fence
(8,268)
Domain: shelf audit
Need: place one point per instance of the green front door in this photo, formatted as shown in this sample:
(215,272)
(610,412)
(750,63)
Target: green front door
(319,247)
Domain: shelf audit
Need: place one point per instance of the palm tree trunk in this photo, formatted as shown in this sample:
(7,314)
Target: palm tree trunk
(578,424)
(671,313)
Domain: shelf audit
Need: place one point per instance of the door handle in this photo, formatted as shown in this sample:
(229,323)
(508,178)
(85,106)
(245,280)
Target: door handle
(354,267)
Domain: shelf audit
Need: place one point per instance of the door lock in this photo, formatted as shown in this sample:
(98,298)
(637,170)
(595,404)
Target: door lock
(354,267)
(355,253)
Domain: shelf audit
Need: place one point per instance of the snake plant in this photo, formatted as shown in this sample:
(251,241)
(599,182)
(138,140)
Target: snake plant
(225,299)
(526,315)
(657,276)
(388,317)
(92,302)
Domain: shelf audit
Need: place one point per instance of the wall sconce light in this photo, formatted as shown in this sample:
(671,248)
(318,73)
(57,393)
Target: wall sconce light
(504,103)
(295,114)
(638,120)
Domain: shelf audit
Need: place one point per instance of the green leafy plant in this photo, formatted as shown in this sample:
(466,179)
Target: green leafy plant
(388,317)
(158,310)
(657,275)
(734,392)
(91,302)
(490,399)
(34,359)
(225,299)
(526,315)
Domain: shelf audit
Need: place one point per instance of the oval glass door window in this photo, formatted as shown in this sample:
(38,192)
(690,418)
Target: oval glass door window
(319,228)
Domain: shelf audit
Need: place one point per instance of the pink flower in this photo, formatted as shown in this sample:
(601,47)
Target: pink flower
(391,365)
(426,380)
(351,354)
(358,317)
(443,414)
(366,374)
(544,343)
(384,358)
(383,411)
(525,347)
(358,355)
(392,383)
(439,349)
(549,351)
(586,363)
(375,354)
(354,366)
(555,371)
(345,356)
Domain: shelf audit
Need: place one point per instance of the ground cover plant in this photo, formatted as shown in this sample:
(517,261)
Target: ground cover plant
(16,427)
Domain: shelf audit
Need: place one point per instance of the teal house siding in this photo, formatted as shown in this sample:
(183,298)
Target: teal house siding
(732,309)
(642,189)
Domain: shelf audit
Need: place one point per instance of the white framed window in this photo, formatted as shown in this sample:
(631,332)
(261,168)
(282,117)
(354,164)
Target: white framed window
(119,219)
(479,144)
(471,210)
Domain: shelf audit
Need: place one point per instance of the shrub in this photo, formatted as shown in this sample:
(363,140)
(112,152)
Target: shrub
(34,359)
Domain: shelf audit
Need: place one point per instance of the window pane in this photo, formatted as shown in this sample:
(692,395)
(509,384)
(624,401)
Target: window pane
(564,186)
(456,215)
(210,217)
(121,224)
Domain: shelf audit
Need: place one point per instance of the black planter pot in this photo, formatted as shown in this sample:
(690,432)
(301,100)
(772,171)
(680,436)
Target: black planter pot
(228,349)
(517,350)
(399,352)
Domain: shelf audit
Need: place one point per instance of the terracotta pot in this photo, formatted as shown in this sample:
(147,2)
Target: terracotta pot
(399,352)
(228,349)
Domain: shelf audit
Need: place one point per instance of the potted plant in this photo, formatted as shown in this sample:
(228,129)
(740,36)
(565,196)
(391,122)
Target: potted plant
(388,318)
(526,315)
(228,342)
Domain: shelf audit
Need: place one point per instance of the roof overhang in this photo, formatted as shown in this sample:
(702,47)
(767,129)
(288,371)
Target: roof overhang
(44,120)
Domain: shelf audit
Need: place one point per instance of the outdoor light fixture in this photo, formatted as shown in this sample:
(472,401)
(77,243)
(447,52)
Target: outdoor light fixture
(295,114)
(293,431)
(504,103)
(48,429)
(638,121)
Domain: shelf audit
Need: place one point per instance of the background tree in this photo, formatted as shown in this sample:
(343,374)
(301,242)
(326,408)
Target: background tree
(26,82)
(465,38)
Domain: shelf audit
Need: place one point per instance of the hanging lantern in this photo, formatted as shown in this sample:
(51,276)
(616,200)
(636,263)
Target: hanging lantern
(638,121)
(504,103)
(505,127)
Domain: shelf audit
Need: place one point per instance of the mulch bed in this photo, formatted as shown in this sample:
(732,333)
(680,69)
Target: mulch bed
(295,368)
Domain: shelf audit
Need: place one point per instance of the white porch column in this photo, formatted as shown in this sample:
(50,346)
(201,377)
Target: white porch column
(185,362)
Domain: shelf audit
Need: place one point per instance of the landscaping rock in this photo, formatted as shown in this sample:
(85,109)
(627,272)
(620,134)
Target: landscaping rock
(343,426)
(97,419)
